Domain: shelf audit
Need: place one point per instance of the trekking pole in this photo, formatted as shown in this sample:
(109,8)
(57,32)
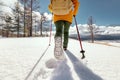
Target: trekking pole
(38,61)
(50,31)
(82,51)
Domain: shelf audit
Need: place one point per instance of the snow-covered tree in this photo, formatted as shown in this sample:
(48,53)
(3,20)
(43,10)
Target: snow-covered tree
(29,7)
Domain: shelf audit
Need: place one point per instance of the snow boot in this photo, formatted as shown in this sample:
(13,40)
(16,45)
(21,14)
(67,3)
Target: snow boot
(58,51)
(65,48)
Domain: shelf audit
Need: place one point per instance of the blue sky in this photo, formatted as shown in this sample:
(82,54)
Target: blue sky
(104,12)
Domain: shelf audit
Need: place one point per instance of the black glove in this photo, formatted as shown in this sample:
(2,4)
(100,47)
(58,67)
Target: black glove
(74,15)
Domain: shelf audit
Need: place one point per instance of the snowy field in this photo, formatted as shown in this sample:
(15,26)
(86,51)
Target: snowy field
(19,55)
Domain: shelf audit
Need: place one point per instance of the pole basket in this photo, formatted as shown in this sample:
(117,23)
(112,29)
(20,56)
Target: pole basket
(83,56)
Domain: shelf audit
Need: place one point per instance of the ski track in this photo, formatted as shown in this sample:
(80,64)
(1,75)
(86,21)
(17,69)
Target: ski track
(19,55)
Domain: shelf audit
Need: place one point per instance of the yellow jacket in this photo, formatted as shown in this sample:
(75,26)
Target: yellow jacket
(67,17)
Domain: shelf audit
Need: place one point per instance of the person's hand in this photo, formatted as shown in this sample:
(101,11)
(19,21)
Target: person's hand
(74,15)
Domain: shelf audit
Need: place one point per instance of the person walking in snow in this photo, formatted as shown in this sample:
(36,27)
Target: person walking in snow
(63,12)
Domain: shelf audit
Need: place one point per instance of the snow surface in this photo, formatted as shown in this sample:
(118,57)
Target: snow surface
(19,55)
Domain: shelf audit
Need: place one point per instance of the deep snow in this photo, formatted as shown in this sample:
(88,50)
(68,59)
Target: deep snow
(19,55)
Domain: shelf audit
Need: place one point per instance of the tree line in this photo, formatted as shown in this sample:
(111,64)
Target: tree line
(23,21)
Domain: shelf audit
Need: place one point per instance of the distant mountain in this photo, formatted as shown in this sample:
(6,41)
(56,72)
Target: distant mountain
(100,32)
(114,25)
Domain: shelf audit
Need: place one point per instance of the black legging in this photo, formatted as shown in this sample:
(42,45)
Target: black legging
(59,29)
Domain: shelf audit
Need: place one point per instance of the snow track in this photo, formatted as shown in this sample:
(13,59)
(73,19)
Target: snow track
(19,55)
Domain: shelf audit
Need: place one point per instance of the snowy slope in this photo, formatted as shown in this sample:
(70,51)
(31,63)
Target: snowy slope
(19,55)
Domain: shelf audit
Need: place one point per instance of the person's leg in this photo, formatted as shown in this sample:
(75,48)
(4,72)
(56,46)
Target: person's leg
(59,27)
(58,51)
(66,34)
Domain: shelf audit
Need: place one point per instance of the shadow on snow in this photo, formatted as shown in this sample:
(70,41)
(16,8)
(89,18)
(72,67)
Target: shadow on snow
(62,72)
(82,71)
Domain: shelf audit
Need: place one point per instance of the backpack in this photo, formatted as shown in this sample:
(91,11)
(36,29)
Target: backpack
(61,7)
